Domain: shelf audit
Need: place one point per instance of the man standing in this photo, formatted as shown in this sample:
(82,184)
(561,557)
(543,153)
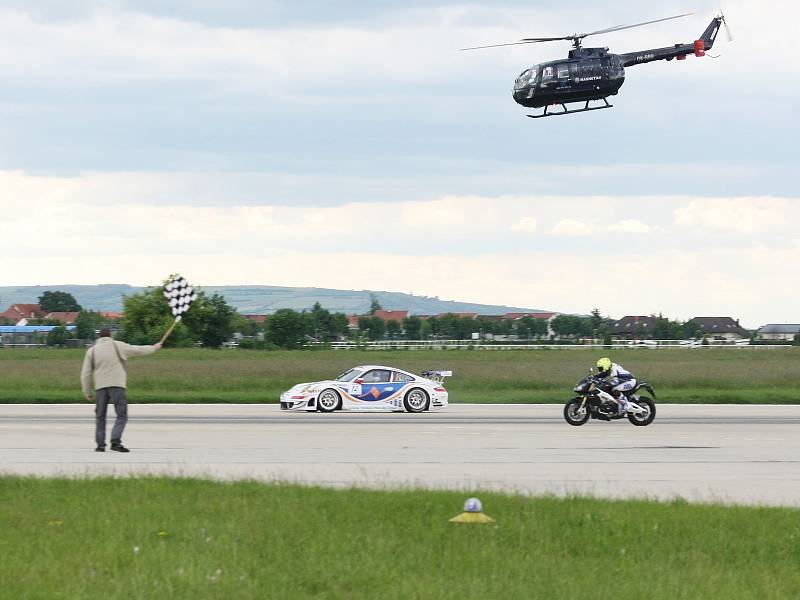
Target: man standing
(105,364)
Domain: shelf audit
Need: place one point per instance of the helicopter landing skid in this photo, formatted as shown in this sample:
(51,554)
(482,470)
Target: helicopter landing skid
(567,111)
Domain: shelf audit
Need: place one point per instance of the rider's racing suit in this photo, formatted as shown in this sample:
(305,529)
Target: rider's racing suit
(620,381)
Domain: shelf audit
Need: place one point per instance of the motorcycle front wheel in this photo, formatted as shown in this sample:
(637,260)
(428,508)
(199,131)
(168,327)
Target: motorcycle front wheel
(647,416)
(574,414)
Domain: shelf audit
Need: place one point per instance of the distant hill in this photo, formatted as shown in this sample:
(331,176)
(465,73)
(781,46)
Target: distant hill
(265,299)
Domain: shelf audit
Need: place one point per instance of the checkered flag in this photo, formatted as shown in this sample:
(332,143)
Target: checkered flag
(180,296)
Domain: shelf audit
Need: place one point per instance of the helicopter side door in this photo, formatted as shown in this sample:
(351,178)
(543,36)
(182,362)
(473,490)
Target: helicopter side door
(588,74)
(565,75)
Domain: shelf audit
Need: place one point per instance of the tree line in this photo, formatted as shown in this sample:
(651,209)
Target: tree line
(211,322)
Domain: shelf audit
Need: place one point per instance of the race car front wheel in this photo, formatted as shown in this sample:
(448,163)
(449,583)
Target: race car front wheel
(328,401)
(416,401)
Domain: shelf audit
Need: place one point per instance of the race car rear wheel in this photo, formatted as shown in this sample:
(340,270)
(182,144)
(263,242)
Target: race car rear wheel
(416,400)
(328,401)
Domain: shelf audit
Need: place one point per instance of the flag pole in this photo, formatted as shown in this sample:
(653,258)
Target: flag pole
(171,327)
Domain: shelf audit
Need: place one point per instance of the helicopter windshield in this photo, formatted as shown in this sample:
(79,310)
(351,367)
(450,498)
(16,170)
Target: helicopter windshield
(527,77)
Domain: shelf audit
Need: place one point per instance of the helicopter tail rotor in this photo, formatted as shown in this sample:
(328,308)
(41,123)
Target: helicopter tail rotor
(728,33)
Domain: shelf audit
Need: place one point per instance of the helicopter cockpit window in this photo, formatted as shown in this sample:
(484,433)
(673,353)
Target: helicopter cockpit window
(525,77)
(563,71)
(547,73)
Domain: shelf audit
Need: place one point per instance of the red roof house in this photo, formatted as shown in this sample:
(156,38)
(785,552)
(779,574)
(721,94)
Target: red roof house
(516,316)
(256,318)
(391,315)
(17,312)
(67,318)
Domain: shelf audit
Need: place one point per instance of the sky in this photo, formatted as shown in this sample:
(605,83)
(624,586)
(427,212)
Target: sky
(351,145)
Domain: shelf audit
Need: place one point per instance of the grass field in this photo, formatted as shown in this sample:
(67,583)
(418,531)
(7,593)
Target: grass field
(162,538)
(733,375)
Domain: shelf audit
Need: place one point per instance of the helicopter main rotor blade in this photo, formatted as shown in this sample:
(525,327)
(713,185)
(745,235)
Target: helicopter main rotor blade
(525,41)
(547,39)
(576,36)
(620,27)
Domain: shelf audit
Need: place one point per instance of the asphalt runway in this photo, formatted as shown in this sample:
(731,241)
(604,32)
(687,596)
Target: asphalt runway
(731,454)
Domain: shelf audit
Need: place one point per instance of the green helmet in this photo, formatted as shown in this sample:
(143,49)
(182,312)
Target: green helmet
(604,364)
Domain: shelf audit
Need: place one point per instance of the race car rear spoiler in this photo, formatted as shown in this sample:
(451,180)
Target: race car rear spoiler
(437,375)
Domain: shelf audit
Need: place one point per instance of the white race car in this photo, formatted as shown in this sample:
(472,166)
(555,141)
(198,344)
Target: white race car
(370,387)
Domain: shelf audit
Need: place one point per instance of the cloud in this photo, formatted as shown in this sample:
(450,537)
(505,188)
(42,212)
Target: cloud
(327,186)
(524,225)
(455,247)
(736,215)
(310,103)
(686,283)
(630,226)
(129,44)
(571,227)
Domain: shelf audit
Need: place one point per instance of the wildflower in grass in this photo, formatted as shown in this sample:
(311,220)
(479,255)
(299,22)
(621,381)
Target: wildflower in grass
(163,534)
(136,550)
(55,523)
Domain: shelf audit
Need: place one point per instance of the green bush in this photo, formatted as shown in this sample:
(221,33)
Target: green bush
(58,336)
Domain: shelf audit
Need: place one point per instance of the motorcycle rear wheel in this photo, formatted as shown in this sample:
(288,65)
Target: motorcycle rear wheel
(646,418)
(574,414)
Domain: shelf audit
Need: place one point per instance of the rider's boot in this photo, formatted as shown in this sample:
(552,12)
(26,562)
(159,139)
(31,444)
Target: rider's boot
(622,402)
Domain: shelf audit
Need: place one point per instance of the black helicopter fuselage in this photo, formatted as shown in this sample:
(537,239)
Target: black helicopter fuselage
(588,74)
(593,73)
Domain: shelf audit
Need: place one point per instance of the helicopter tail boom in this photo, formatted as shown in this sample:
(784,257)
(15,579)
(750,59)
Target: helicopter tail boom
(679,51)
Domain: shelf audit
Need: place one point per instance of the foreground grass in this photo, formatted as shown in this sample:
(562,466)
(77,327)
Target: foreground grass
(702,375)
(151,538)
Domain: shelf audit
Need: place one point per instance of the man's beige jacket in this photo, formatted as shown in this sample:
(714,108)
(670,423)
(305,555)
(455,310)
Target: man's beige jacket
(108,370)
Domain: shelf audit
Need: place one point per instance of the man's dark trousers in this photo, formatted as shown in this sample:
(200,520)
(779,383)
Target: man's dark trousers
(115,395)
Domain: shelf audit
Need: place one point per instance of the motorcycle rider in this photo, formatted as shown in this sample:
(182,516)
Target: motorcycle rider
(620,382)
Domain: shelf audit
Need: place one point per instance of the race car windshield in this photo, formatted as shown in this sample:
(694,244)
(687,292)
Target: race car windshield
(348,375)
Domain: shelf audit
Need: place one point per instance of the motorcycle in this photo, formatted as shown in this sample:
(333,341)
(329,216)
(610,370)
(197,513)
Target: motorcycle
(595,401)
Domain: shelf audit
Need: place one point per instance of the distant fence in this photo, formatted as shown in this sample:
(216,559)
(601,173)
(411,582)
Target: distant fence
(487,345)
(9,346)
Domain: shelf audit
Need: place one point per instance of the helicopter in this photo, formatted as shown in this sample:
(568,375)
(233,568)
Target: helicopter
(593,74)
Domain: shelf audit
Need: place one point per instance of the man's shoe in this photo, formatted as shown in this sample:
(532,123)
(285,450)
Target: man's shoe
(119,448)
(100,449)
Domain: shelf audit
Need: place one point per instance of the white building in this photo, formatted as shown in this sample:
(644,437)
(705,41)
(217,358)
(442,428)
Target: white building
(778,332)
